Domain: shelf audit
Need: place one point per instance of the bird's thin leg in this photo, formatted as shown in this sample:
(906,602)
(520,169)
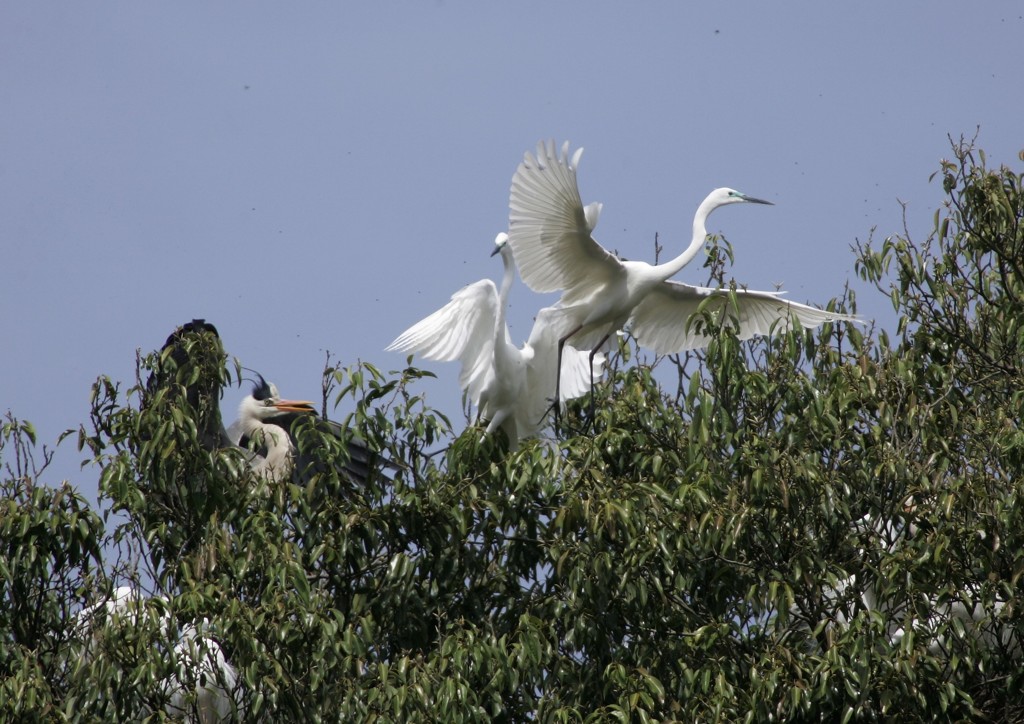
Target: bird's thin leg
(593,352)
(556,405)
(436,452)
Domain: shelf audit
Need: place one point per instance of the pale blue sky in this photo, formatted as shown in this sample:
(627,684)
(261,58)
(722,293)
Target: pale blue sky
(320,176)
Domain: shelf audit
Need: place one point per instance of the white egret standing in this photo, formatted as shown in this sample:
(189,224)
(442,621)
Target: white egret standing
(508,385)
(841,602)
(205,687)
(550,234)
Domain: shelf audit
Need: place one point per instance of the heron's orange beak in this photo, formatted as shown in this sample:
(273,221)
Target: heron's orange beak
(295,406)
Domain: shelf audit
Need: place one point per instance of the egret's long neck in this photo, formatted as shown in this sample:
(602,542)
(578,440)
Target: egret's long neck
(503,290)
(700,234)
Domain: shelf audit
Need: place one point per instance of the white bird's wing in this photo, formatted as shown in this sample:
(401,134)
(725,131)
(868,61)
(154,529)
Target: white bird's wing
(203,671)
(539,389)
(576,379)
(463,330)
(549,229)
(540,375)
(663,321)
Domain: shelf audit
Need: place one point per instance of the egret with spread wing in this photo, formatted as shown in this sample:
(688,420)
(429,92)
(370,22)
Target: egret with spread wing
(550,234)
(508,385)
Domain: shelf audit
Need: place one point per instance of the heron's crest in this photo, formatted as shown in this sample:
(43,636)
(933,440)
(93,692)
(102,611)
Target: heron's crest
(261,389)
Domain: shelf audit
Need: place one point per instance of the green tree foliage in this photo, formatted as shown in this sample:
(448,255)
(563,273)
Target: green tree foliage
(815,526)
(49,551)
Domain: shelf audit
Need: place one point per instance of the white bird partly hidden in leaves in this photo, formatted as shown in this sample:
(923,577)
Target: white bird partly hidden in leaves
(203,687)
(550,235)
(510,386)
(962,616)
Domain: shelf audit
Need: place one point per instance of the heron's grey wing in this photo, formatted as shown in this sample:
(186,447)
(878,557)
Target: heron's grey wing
(312,457)
(665,321)
(361,460)
(193,344)
(550,230)
(234,433)
(463,329)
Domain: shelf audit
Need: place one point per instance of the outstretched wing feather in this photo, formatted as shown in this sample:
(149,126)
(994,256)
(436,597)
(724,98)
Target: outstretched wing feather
(550,230)
(461,330)
(667,320)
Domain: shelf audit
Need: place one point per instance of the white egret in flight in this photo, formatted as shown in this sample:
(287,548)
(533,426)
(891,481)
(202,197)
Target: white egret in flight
(508,385)
(550,234)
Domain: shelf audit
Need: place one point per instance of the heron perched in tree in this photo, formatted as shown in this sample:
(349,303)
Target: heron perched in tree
(193,358)
(509,385)
(264,424)
(550,232)
(275,433)
(273,428)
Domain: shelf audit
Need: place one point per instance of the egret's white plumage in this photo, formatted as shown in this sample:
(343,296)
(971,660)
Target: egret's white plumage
(550,234)
(508,385)
(204,686)
(851,595)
